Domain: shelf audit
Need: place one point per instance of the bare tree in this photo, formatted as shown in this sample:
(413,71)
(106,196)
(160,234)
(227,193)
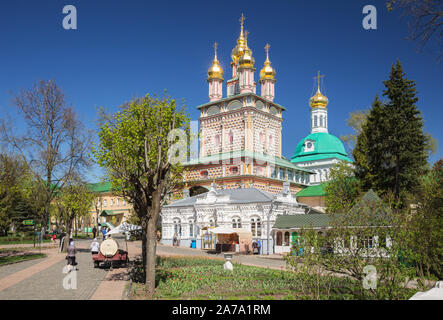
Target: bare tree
(55,144)
(426,20)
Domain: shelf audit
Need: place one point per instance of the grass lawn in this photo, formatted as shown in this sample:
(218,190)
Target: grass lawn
(23,242)
(202,278)
(7,259)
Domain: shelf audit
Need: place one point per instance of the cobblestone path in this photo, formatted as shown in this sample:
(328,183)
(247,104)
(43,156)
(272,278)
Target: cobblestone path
(42,279)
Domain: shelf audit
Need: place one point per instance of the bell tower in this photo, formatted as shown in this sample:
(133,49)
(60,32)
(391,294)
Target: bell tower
(319,112)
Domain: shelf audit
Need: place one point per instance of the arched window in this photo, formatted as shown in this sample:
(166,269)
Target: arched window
(273,110)
(321,121)
(177,226)
(217,139)
(213,110)
(256,227)
(315,121)
(279,238)
(262,138)
(191,228)
(259,105)
(234,105)
(211,223)
(204,174)
(286,238)
(236,222)
(231,137)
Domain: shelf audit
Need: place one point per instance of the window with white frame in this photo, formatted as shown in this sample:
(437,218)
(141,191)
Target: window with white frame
(236,222)
(191,228)
(256,227)
(177,226)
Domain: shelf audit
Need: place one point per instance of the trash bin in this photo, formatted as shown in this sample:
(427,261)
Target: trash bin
(193,244)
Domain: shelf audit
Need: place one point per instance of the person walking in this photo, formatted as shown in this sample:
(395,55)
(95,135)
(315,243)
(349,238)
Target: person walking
(94,232)
(104,233)
(54,233)
(62,239)
(259,246)
(95,246)
(174,240)
(72,251)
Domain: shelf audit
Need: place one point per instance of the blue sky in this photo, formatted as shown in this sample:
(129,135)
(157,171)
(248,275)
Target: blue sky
(123,49)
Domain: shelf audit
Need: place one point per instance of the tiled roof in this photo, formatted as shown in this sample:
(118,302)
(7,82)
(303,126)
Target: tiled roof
(313,191)
(302,221)
(241,195)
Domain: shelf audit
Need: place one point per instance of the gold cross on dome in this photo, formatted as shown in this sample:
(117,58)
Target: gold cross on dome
(242,19)
(318,77)
(267,46)
(215,47)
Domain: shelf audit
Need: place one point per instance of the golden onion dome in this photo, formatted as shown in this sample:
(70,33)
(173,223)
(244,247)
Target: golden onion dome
(246,60)
(267,72)
(215,71)
(241,46)
(318,100)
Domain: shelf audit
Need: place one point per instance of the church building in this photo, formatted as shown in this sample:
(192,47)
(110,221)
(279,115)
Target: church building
(241,179)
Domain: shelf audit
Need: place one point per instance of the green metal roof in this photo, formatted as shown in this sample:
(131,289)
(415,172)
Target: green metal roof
(326,146)
(298,221)
(313,191)
(216,158)
(100,187)
(233,97)
(109,213)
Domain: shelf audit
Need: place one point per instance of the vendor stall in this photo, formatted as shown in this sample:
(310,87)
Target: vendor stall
(232,239)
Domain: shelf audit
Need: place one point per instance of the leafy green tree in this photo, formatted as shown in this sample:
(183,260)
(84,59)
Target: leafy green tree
(138,147)
(343,189)
(391,149)
(74,200)
(372,234)
(55,144)
(355,122)
(14,176)
(427,224)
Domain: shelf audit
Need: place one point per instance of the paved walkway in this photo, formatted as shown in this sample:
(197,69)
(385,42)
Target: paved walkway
(43,279)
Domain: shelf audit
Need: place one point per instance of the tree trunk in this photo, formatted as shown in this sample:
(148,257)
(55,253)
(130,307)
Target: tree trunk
(144,224)
(151,243)
(68,236)
(151,246)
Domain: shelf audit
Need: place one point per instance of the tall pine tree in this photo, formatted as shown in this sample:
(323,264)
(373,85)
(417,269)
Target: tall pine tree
(390,152)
